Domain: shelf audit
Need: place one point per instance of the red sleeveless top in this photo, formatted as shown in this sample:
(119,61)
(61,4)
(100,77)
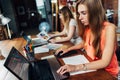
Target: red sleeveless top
(112,68)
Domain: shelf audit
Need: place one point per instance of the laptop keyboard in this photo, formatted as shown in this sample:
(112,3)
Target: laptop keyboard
(40,70)
(46,70)
(54,66)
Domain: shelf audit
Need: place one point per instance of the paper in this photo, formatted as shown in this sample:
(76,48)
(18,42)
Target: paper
(37,40)
(40,50)
(43,36)
(74,60)
(52,46)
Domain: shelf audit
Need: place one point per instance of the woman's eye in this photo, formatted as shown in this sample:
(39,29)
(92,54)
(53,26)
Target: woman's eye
(84,13)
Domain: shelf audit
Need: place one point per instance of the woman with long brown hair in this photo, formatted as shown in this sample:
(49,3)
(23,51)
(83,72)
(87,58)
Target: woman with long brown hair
(70,29)
(99,39)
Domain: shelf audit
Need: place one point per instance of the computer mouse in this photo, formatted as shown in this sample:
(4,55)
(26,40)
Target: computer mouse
(67,74)
(59,54)
(72,52)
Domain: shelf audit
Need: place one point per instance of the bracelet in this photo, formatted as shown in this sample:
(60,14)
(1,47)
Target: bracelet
(84,67)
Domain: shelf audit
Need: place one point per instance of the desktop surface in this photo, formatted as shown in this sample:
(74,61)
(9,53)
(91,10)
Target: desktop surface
(20,42)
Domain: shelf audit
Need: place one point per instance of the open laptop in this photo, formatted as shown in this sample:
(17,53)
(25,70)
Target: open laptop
(23,69)
(35,41)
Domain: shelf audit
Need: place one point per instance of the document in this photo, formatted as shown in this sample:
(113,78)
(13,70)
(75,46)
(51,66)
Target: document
(40,50)
(52,46)
(46,48)
(74,60)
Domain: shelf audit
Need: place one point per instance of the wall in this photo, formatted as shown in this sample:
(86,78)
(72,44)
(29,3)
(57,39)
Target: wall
(8,11)
(112,5)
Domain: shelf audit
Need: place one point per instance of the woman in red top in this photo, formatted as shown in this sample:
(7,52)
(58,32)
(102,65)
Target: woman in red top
(99,38)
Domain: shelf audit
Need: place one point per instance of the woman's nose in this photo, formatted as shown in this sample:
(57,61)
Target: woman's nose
(80,17)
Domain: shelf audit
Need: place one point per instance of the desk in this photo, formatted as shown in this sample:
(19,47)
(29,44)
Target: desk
(6,45)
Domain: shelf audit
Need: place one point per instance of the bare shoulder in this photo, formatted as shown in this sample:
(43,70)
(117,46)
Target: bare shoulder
(110,27)
(110,33)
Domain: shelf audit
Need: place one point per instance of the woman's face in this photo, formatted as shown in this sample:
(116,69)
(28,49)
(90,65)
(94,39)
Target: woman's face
(83,14)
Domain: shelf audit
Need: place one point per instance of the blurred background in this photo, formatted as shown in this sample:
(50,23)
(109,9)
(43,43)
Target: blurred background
(27,15)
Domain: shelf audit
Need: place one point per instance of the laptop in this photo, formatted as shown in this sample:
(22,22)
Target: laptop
(35,41)
(23,69)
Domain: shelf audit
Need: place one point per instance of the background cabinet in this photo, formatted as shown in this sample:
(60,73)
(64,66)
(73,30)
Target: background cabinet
(113,6)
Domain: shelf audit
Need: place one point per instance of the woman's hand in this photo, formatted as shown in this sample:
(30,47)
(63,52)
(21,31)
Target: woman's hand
(64,51)
(66,68)
(52,40)
(51,35)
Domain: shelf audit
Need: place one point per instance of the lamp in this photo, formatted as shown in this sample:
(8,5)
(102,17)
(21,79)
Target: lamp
(5,21)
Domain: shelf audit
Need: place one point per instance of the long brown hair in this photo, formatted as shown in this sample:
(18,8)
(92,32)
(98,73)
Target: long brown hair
(67,15)
(96,18)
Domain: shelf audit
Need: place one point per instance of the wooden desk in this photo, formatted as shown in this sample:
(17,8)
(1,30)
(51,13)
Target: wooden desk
(18,43)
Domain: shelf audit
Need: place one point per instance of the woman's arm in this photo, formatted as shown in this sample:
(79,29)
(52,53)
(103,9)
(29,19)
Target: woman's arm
(107,51)
(58,34)
(69,36)
(71,31)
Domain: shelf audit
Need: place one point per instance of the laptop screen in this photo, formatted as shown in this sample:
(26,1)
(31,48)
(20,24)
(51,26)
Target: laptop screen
(17,64)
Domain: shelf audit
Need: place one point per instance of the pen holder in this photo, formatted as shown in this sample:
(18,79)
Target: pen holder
(31,56)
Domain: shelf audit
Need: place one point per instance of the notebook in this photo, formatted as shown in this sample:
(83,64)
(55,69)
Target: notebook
(23,69)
